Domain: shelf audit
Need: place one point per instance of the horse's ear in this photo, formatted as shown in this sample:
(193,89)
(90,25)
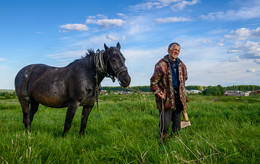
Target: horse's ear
(106,48)
(118,46)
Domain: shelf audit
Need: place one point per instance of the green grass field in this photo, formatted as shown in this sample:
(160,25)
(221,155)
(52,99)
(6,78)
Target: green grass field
(125,130)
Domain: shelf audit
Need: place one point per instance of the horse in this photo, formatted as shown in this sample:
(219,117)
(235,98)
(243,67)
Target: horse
(77,84)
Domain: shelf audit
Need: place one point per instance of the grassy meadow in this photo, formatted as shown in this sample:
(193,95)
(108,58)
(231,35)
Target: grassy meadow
(125,130)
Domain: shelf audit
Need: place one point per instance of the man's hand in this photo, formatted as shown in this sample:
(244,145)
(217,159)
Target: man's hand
(161,95)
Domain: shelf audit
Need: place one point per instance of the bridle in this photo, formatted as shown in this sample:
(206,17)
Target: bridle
(102,69)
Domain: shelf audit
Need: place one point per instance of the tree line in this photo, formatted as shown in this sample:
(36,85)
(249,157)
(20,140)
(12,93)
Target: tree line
(7,94)
(206,90)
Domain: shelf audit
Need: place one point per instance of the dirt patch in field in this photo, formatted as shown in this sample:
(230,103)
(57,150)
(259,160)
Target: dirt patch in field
(215,99)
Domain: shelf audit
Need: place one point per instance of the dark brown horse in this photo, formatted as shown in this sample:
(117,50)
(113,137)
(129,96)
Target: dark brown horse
(77,84)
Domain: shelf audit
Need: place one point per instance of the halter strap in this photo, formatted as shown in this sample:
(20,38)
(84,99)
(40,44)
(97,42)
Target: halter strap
(101,68)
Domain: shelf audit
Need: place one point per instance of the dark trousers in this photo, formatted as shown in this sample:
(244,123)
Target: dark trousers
(166,116)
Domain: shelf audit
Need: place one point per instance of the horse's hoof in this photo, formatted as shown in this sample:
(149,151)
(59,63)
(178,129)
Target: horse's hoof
(64,134)
(81,134)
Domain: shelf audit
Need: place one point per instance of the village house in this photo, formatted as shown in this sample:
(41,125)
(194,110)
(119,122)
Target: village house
(237,93)
(256,91)
(194,91)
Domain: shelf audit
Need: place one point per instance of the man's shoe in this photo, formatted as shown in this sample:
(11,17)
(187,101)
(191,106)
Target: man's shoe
(163,137)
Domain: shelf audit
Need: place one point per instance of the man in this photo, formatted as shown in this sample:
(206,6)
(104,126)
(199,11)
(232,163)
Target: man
(168,86)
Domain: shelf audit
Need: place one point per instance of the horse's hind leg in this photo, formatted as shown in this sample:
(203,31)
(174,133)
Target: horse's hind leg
(33,109)
(26,118)
(84,119)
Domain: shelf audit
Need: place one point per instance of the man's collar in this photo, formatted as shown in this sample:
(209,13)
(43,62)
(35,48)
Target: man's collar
(176,60)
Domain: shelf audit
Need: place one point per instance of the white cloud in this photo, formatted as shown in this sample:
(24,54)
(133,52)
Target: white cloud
(4,67)
(250,50)
(73,27)
(122,15)
(135,54)
(244,34)
(66,54)
(257,61)
(246,50)
(251,70)
(2,59)
(106,23)
(115,38)
(246,43)
(233,50)
(148,6)
(172,20)
(182,4)
(217,31)
(235,59)
(138,25)
(175,5)
(101,16)
(242,13)
(220,44)
(112,37)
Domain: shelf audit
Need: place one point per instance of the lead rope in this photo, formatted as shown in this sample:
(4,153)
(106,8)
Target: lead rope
(162,119)
(97,89)
(98,60)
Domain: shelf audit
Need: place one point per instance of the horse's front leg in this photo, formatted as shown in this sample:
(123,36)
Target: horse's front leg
(84,119)
(72,108)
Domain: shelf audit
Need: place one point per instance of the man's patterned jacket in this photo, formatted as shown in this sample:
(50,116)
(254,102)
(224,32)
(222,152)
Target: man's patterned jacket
(162,81)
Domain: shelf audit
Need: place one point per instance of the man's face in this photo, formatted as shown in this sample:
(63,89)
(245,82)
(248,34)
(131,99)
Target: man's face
(174,53)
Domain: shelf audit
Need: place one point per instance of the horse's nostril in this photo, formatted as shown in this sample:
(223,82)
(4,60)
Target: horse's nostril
(127,81)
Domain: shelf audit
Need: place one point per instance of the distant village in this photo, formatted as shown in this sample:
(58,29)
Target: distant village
(226,93)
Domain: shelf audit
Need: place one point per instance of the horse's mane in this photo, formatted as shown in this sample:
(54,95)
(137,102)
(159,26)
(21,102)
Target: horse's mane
(90,53)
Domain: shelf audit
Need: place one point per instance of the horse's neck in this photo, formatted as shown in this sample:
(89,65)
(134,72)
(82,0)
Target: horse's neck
(100,76)
(91,67)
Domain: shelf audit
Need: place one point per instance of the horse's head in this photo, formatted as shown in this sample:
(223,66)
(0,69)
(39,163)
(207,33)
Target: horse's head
(116,65)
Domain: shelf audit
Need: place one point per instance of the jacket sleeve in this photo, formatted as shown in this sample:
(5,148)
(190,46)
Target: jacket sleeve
(185,78)
(186,73)
(155,79)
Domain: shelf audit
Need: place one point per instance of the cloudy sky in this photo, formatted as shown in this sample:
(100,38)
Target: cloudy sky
(220,39)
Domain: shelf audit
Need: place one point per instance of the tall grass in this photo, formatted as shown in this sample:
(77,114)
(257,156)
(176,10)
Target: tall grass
(125,130)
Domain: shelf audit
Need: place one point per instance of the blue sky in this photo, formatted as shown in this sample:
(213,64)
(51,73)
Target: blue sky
(220,39)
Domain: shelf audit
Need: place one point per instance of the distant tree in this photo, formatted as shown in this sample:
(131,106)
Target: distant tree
(214,91)
(108,90)
(195,87)
(8,96)
(242,87)
(220,90)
